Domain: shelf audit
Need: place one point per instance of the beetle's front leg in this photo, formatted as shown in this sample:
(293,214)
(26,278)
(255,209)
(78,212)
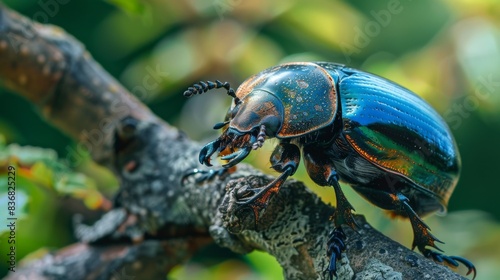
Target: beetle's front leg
(285,159)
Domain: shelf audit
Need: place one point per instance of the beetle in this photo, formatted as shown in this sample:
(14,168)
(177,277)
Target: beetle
(351,126)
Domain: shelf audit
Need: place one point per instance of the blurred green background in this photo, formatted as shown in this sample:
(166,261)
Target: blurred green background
(446,51)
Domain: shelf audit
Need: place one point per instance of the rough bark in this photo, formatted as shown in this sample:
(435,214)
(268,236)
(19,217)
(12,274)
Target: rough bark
(156,222)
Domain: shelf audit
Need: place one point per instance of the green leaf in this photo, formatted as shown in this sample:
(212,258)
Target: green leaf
(42,174)
(27,155)
(20,200)
(81,187)
(134,7)
(73,184)
(41,167)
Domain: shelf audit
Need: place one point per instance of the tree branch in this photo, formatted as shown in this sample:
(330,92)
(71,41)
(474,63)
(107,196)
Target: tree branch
(156,223)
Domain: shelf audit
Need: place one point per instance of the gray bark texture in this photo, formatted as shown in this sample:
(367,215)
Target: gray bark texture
(157,223)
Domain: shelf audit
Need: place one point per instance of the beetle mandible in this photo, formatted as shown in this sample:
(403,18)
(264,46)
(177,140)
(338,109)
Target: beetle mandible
(380,138)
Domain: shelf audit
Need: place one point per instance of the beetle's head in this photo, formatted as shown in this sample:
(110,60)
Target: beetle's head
(258,115)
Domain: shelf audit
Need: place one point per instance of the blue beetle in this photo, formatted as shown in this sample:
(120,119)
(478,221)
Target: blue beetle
(351,126)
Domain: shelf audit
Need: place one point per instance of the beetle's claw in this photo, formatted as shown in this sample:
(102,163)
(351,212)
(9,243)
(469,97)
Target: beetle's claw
(336,245)
(236,157)
(208,151)
(451,261)
(470,267)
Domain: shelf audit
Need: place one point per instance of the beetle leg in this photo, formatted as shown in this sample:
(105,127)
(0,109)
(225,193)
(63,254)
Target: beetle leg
(285,159)
(322,172)
(451,261)
(423,238)
(336,245)
(343,212)
(342,215)
(205,175)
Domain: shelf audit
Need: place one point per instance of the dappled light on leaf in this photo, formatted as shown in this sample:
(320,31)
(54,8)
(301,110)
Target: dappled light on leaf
(43,168)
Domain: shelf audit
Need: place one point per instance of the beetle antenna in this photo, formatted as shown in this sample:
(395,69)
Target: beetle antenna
(202,87)
(220,125)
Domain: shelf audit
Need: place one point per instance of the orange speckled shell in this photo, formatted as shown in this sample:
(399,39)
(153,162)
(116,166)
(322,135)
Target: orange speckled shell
(306,91)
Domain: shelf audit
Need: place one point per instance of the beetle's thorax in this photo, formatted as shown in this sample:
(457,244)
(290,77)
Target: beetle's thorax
(305,91)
